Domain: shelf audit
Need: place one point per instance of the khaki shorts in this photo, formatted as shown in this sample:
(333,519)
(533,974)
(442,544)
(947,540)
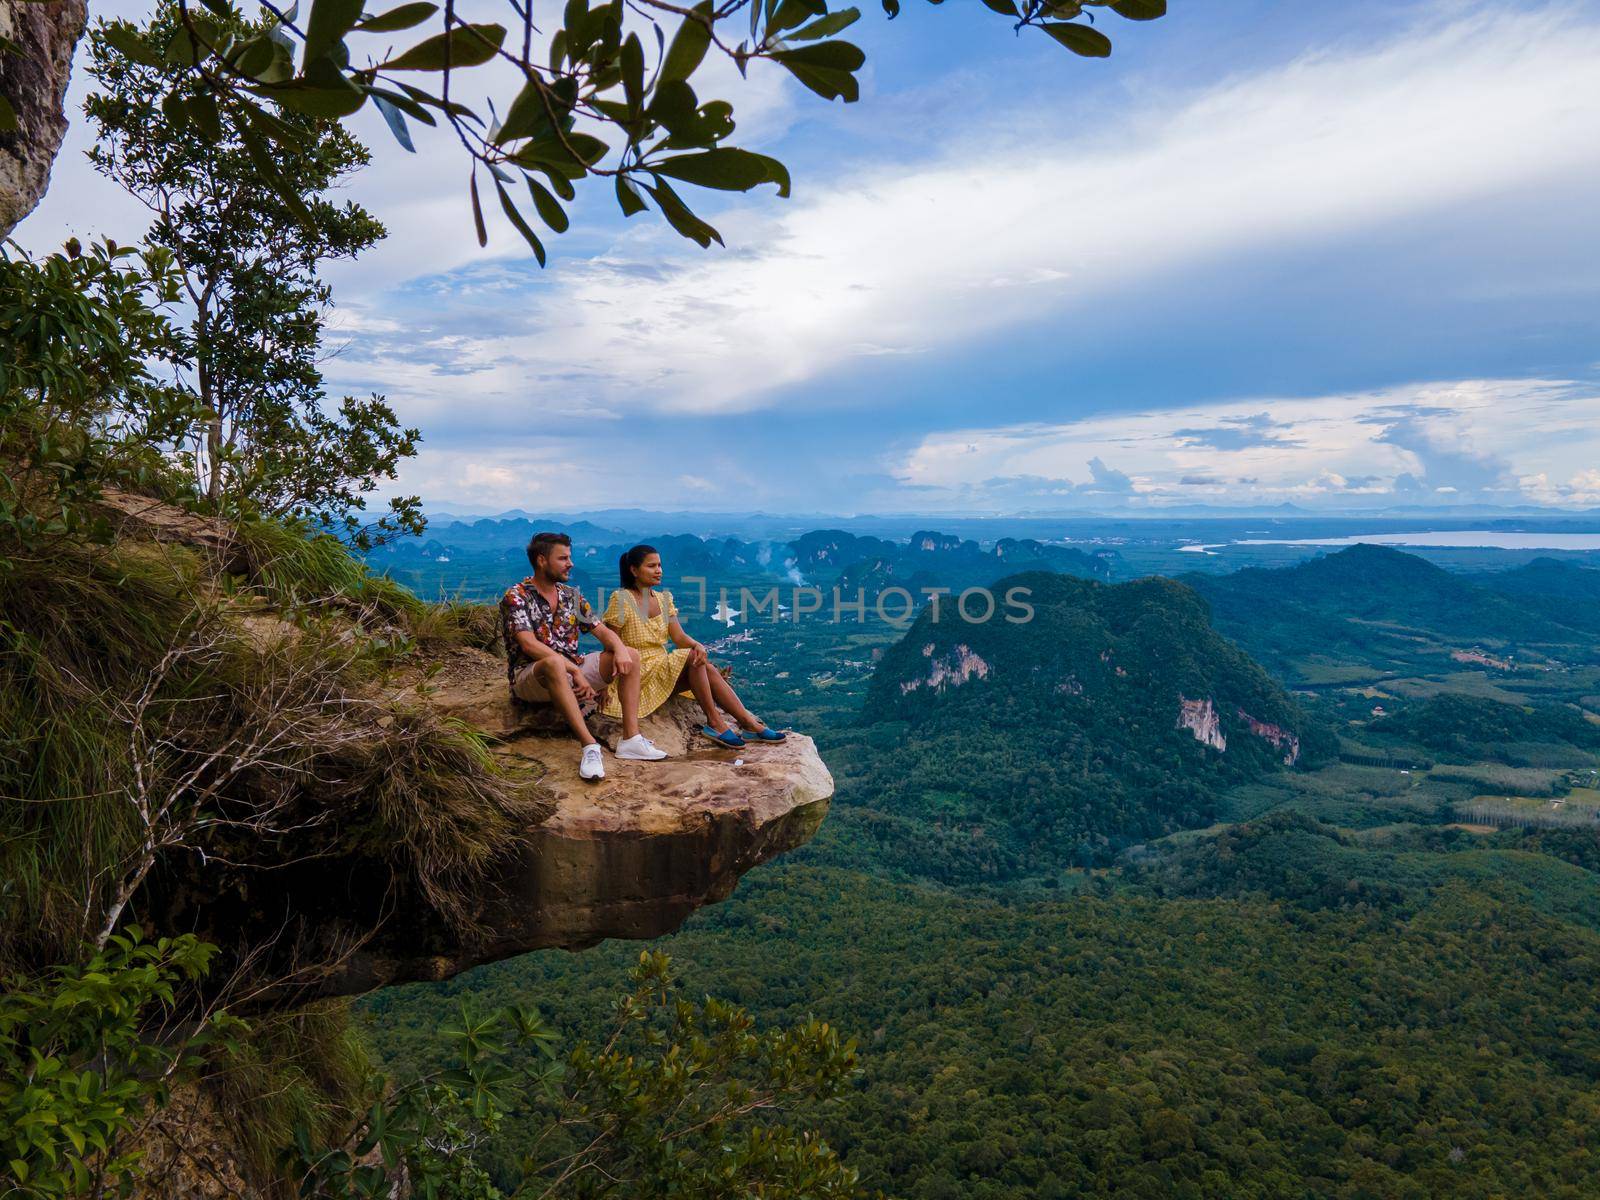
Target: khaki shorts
(529,687)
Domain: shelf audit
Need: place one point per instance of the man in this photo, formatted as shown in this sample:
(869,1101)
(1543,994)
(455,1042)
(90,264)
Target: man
(543,616)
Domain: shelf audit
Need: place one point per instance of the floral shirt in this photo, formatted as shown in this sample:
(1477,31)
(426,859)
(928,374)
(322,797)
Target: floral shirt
(523,609)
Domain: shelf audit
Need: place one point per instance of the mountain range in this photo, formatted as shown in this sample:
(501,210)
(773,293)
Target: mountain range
(1082,718)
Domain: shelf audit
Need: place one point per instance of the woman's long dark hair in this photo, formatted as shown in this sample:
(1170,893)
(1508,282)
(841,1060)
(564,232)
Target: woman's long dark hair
(631,560)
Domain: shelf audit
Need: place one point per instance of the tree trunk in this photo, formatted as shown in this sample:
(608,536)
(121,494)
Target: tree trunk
(34,81)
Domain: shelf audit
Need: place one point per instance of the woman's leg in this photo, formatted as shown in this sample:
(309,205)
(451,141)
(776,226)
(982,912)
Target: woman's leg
(722,691)
(694,678)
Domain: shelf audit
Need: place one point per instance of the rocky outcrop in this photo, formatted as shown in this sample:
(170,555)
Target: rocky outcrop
(33,80)
(344,897)
(628,857)
(1200,718)
(950,670)
(140,518)
(1285,741)
(634,854)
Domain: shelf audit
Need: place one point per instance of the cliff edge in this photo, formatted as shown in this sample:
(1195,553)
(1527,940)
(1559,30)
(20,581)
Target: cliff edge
(445,826)
(630,856)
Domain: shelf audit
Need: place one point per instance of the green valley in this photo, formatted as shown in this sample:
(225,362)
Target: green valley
(1087,954)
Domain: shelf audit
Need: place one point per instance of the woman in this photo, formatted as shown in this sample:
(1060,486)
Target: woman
(645,618)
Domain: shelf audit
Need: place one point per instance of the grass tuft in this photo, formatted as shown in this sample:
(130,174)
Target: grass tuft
(83,634)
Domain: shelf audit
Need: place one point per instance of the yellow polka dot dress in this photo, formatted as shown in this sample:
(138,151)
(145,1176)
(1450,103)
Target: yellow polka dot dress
(659,667)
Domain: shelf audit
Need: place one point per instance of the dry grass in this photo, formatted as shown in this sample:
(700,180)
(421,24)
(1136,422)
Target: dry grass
(130,698)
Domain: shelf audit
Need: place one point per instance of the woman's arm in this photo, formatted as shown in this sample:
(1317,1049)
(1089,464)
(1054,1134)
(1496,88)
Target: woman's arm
(697,652)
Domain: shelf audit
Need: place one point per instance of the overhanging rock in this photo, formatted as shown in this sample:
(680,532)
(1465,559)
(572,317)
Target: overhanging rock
(630,856)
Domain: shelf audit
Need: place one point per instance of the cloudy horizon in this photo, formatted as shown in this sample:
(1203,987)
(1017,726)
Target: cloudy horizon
(1255,258)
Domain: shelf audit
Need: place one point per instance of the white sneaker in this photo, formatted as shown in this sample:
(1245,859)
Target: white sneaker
(591,766)
(639,748)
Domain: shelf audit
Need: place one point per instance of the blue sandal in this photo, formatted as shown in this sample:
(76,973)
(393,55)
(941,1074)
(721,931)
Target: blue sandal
(767,734)
(727,737)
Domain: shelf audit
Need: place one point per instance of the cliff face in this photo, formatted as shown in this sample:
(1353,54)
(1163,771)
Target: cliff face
(628,857)
(1199,717)
(327,912)
(34,81)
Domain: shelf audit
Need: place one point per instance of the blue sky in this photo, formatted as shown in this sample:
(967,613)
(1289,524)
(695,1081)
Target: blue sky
(1343,256)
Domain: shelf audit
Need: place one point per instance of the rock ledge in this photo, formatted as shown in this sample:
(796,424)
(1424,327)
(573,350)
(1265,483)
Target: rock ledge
(630,856)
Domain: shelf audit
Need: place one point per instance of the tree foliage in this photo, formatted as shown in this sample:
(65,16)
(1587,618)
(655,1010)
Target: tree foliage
(79,1066)
(673,1099)
(82,408)
(1429,1034)
(1061,744)
(605,91)
(269,443)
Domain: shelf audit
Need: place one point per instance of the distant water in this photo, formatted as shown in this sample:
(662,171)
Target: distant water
(1473,538)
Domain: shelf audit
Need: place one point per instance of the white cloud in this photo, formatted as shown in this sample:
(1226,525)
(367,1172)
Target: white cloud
(1582,489)
(893,261)
(1330,449)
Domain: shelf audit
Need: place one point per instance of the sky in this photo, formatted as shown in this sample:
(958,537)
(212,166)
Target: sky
(1343,257)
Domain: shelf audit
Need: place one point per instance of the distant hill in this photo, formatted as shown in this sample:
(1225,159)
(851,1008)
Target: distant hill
(1471,727)
(1114,715)
(450,555)
(1560,591)
(1369,600)
(930,559)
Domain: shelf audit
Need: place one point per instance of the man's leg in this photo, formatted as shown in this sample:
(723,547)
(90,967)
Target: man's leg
(557,681)
(627,688)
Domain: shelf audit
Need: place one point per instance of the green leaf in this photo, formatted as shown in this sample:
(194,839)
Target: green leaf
(126,41)
(550,212)
(1080,39)
(776,173)
(787,15)
(839,56)
(254,57)
(404,103)
(827,26)
(633,72)
(256,147)
(422,96)
(174,110)
(688,45)
(182,51)
(528,115)
(331,100)
(464,46)
(205,115)
(680,218)
(271,126)
(1004,7)
(725,168)
(674,104)
(407,16)
(330,20)
(588,149)
(396,122)
(515,218)
(628,197)
(477,213)
(827,68)
(1140,10)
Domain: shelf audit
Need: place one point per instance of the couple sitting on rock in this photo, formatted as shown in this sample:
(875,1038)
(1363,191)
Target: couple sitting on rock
(635,673)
